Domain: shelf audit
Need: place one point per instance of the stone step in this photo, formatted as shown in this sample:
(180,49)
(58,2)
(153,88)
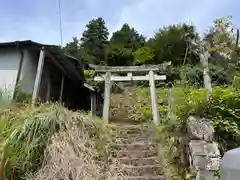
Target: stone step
(131,140)
(136,130)
(134,153)
(134,135)
(140,146)
(137,161)
(132,131)
(144,178)
(130,127)
(141,170)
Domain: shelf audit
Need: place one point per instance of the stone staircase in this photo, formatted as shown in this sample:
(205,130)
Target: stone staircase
(135,154)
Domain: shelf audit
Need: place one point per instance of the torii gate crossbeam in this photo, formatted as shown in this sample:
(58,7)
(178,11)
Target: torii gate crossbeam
(151,77)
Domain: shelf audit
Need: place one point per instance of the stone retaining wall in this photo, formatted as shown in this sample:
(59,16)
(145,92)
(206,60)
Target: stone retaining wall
(203,152)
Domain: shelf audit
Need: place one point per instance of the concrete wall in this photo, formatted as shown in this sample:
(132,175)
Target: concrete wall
(9,64)
(28,72)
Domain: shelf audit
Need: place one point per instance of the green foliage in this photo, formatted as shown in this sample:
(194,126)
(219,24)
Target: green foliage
(118,55)
(94,40)
(192,75)
(170,44)
(147,113)
(143,55)
(222,110)
(236,81)
(222,36)
(5,96)
(89,73)
(73,48)
(217,174)
(171,141)
(223,49)
(24,137)
(128,37)
(122,45)
(20,96)
(23,97)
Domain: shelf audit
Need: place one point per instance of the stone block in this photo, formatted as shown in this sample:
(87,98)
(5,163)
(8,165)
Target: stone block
(201,147)
(205,163)
(212,149)
(205,175)
(200,129)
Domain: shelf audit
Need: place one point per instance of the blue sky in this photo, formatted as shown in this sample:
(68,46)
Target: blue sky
(38,20)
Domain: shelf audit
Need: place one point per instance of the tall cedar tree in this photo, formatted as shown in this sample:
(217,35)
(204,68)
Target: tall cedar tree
(94,41)
(72,48)
(128,37)
(122,45)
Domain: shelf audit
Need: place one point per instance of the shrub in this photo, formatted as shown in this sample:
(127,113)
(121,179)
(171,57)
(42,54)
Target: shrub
(192,75)
(236,81)
(223,110)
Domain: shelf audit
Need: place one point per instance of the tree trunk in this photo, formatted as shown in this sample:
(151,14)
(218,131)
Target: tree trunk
(206,77)
(237,40)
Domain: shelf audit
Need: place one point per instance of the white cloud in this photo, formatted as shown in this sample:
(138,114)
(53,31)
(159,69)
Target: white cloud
(41,21)
(148,15)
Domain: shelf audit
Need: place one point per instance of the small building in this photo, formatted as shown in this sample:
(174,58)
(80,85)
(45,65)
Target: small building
(43,73)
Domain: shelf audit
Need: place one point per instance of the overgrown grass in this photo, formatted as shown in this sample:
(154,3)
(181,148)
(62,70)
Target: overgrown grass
(6,95)
(223,110)
(31,136)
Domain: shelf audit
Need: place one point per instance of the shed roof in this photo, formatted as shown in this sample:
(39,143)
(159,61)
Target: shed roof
(69,64)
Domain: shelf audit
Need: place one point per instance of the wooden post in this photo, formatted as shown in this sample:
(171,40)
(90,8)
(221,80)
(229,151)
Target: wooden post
(153,98)
(130,76)
(61,90)
(38,76)
(93,103)
(48,89)
(170,100)
(107,93)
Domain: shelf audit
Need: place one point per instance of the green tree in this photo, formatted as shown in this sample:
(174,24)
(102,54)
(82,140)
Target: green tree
(223,50)
(122,45)
(222,36)
(143,55)
(94,40)
(128,37)
(171,44)
(73,48)
(118,55)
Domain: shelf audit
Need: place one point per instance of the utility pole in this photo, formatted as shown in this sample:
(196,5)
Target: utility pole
(60,21)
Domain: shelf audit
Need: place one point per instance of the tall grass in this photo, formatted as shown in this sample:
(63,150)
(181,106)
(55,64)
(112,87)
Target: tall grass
(24,135)
(36,137)
(6,95)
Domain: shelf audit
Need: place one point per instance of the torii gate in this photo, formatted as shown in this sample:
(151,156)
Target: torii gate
(151,76)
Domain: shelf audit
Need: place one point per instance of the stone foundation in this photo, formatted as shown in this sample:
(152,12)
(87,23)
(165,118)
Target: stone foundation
(204,155)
